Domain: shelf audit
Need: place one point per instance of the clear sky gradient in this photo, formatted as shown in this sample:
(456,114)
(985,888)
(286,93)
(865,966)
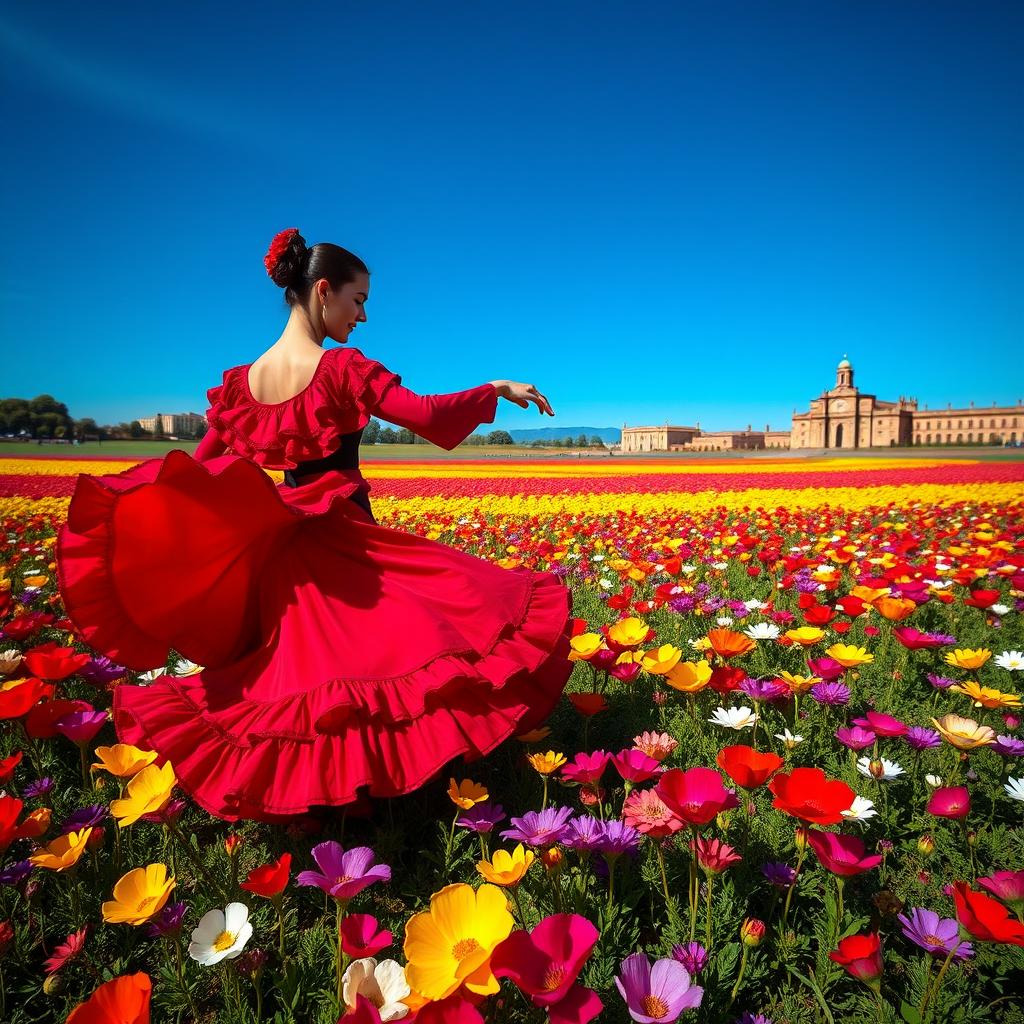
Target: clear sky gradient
(653,211)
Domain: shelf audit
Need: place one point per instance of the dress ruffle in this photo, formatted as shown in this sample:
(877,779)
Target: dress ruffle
(337,654)
(337,400)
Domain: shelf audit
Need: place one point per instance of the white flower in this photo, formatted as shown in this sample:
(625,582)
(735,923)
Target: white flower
(789,739)
(724,620)
(999,609)
(688,569)
(1011,660)
(763,631)
(860,810)
(933,780)
(719,565)
(148,677)
(597,558)
(187,668)
(382,983)
(890,769)
(221,934)
(605,583)
(1015,787)
(733,718)
(753,605)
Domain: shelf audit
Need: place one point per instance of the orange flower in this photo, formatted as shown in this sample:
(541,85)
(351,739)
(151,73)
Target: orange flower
(895,609)
(689,676)
(124,999)
(727,643)
(466,794)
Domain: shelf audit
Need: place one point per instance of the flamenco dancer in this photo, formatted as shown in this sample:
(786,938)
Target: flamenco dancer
(341,659)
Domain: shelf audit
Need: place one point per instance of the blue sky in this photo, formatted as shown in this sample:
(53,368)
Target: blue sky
(681,211)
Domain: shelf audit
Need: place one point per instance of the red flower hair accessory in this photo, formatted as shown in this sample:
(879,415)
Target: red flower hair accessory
(277,247)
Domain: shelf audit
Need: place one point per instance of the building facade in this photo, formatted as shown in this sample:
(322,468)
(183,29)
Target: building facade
(180,424)
(974,425)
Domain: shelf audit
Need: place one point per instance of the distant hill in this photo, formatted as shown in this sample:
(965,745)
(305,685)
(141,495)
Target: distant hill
(607,434)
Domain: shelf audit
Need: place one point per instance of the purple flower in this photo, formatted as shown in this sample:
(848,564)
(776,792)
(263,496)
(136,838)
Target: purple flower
(855,737)
(922,738)
(940,682)
(684,604)
(101,670)
(941,638)
(830,693)
(618,837)
(692,955)
(539,828)
(807,585)
(167,922)
(84,817)
(1008,746)
(170,812)
(81,726)
(658,994)
(764,689)
(933,934)
(345,872)
(583,833)
(16,873)
(753,1018)
(482,817)
(38,788)
(779,874)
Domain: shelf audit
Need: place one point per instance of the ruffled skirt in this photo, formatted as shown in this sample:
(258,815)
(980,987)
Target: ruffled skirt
(337,654)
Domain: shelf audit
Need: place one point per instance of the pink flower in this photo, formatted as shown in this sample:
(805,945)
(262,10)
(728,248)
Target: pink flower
(883,725)
(1008,886)
(634,765)
(546,963)
(655,744)
(842,855)
(950,802)
(695,795)
(586,768)
(713,855)
(361,936)
(67,950)
(647,813)
(81,726)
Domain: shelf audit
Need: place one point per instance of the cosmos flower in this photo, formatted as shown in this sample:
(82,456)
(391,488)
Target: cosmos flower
(658,993)
(763,631)
(733,718)
(935,935)
(830,693)
(221,934)
(343,873)
(692,955)
(65,951)
(879,768)
(1012,661)
(1015,788)
(481,818)
(855,737)
(920,737)
(860,810)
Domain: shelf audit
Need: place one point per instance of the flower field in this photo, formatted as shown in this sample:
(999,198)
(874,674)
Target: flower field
(786,782)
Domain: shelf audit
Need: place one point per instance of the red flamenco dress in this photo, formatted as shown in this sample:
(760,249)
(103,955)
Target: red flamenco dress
(336,653)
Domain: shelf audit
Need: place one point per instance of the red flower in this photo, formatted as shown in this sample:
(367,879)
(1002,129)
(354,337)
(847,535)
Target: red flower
(67,950)
(277,247)
(7,766)
(269,880)
(695,795)
(985,918)
(588,704)
(746,766)
(806,793)
(20,699)
(726,678)
(48,661)
(842,855)
(982,598)
(41,722)
(861,955)
(819,615)
(360,936)
(124,999)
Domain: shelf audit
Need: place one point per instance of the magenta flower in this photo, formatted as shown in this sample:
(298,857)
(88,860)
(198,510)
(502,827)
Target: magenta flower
(1008,886)
(545,964)
(827,669)
(658,994)
(695,795)
(856,738)
(634,765)
(883,725)
(81,726)
(481,818)
(950,802)
(830,693)
(915,640)
(344,872)
(539,828)
(920,737)
(361,936)
(842,855)
(692,955)
(586,768)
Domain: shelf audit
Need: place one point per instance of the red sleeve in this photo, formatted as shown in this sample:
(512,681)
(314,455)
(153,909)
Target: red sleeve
(210,447)
(444,420)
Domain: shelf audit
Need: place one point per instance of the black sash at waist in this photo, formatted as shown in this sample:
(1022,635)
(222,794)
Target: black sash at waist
(345,456)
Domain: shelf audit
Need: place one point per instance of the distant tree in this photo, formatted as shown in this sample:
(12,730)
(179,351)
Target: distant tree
(371,433)
(388,435)
(136,429)
(596,442)
(499,437)
(475,439)
(86,425)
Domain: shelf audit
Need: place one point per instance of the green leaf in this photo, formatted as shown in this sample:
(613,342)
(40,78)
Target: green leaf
(911,1014)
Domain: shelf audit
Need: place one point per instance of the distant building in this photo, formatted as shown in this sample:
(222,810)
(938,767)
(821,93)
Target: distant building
(181,424)
(692,439)
(994,425)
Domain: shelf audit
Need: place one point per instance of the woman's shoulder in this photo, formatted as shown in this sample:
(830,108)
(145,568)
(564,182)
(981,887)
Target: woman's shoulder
(361,377)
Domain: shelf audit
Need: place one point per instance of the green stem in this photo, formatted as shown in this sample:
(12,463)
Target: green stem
(661,864)
(739,977)
(519,906)
(796,880)
(931,996)
(711,880)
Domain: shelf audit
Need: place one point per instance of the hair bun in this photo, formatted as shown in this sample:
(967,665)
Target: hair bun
(286,257)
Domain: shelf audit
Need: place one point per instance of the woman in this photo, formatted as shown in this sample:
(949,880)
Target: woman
(339,658)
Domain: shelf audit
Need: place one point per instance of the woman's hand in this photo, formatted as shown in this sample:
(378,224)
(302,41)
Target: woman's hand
(523,395)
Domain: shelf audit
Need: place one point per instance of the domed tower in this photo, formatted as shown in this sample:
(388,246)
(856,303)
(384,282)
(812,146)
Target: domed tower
(844,373)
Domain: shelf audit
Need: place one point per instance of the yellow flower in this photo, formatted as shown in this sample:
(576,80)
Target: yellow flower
(629,632)
(798,684)
(984,696)
(450,945)
(689,676)
(547,763)
(63,852)
(662,660)
(965,658)
(869,594)
(466,793)
(805,636)
(849,656)
(585,646)
(506,868)
(964,733)
(148,792)
(139,895)
(123,760)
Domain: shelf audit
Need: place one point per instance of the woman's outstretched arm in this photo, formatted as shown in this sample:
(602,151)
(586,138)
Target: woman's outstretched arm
(444,420)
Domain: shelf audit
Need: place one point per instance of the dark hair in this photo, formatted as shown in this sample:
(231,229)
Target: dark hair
(298,267)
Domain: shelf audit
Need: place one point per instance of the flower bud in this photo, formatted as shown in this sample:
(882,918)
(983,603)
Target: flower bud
(933,780)
(660,697)
(552,858)
(95,840)
(925,845)
(801,839)
(924,877)
(232,842)
(1011,721)
(53,985)
(752,931)
(972,838)
(877,769)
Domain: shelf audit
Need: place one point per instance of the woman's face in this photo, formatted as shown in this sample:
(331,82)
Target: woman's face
(345,306)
